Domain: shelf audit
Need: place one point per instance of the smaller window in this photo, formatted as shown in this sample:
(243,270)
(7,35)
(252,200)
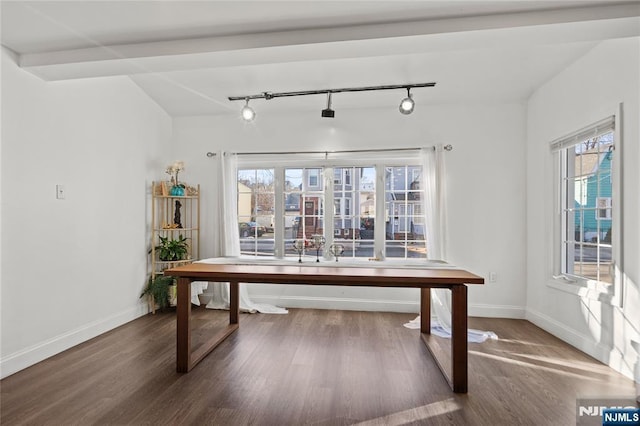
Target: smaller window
(347,177)
(585,250)
(314,177)
(604,207)
(337,176)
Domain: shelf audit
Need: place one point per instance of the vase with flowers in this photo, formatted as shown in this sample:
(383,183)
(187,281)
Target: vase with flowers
(177,190)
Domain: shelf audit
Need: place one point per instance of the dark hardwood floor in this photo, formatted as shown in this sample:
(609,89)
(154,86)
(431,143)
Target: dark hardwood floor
(312,367)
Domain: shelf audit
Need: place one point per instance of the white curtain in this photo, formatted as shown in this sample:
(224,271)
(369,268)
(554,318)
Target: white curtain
(227,233)
(434,205)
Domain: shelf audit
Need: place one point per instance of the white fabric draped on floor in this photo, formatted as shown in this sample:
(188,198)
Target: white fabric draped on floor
(227,230)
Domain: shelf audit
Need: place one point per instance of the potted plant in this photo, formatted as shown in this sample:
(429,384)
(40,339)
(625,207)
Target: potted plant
(170,250)
(173,170)
(158,291)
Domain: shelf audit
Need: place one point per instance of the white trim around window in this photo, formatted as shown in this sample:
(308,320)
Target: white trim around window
(578,284)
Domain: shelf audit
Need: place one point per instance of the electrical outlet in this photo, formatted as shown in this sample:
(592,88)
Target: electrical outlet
(60,192)
(493,277)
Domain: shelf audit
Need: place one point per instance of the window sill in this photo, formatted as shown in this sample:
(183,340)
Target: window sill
(592,290)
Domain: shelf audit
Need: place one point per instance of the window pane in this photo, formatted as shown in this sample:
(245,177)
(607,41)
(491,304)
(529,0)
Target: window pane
(354,197)
(256,210)
(405,225)
(605,265)
(588,209)
(304,208)
(347,177)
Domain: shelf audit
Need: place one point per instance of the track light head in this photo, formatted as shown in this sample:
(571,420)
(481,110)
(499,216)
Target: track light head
(328,112)
(248,114)
(407,104)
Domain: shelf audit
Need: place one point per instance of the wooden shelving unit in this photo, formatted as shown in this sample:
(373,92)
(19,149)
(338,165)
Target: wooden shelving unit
(171,217)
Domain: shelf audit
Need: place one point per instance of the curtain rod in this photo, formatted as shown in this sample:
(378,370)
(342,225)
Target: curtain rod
(352,151)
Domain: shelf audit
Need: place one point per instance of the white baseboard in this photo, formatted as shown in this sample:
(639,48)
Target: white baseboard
(378,305)
(586,344)
(566,334)
(27,357)
(496,311)
(345,304)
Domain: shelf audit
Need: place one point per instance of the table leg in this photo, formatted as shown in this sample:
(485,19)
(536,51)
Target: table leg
(425,310)
(183,329)
(186,359)
(459,330)
(234,302)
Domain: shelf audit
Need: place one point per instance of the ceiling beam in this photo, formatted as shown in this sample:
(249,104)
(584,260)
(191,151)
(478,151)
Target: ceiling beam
(335,43)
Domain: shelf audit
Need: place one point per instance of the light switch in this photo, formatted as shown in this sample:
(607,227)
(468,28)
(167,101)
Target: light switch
(60,192)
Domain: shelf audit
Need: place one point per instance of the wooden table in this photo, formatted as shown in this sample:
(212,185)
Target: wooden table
(425,279)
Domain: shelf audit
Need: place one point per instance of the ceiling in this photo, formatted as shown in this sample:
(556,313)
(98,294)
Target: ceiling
(189,56)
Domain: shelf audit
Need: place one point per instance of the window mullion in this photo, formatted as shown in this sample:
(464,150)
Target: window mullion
(278,232)
(380,222)
(329,209)
(617,254)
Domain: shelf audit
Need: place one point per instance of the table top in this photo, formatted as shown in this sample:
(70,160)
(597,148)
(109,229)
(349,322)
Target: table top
(326,275)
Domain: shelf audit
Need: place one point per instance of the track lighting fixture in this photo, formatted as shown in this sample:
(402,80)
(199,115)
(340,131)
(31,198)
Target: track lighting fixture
(248,114)
(328,113)
(406,106)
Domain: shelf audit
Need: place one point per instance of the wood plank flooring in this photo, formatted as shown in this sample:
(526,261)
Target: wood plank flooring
(314,367)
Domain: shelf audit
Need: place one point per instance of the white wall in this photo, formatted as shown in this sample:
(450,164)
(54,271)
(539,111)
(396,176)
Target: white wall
(73,268)
(587,91)
(486,188)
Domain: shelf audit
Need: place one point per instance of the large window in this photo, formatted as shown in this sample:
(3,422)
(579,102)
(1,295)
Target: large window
(586,204)
(279,205)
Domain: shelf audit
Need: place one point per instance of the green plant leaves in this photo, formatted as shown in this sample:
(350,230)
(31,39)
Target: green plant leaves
(173,249)
(158,288)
